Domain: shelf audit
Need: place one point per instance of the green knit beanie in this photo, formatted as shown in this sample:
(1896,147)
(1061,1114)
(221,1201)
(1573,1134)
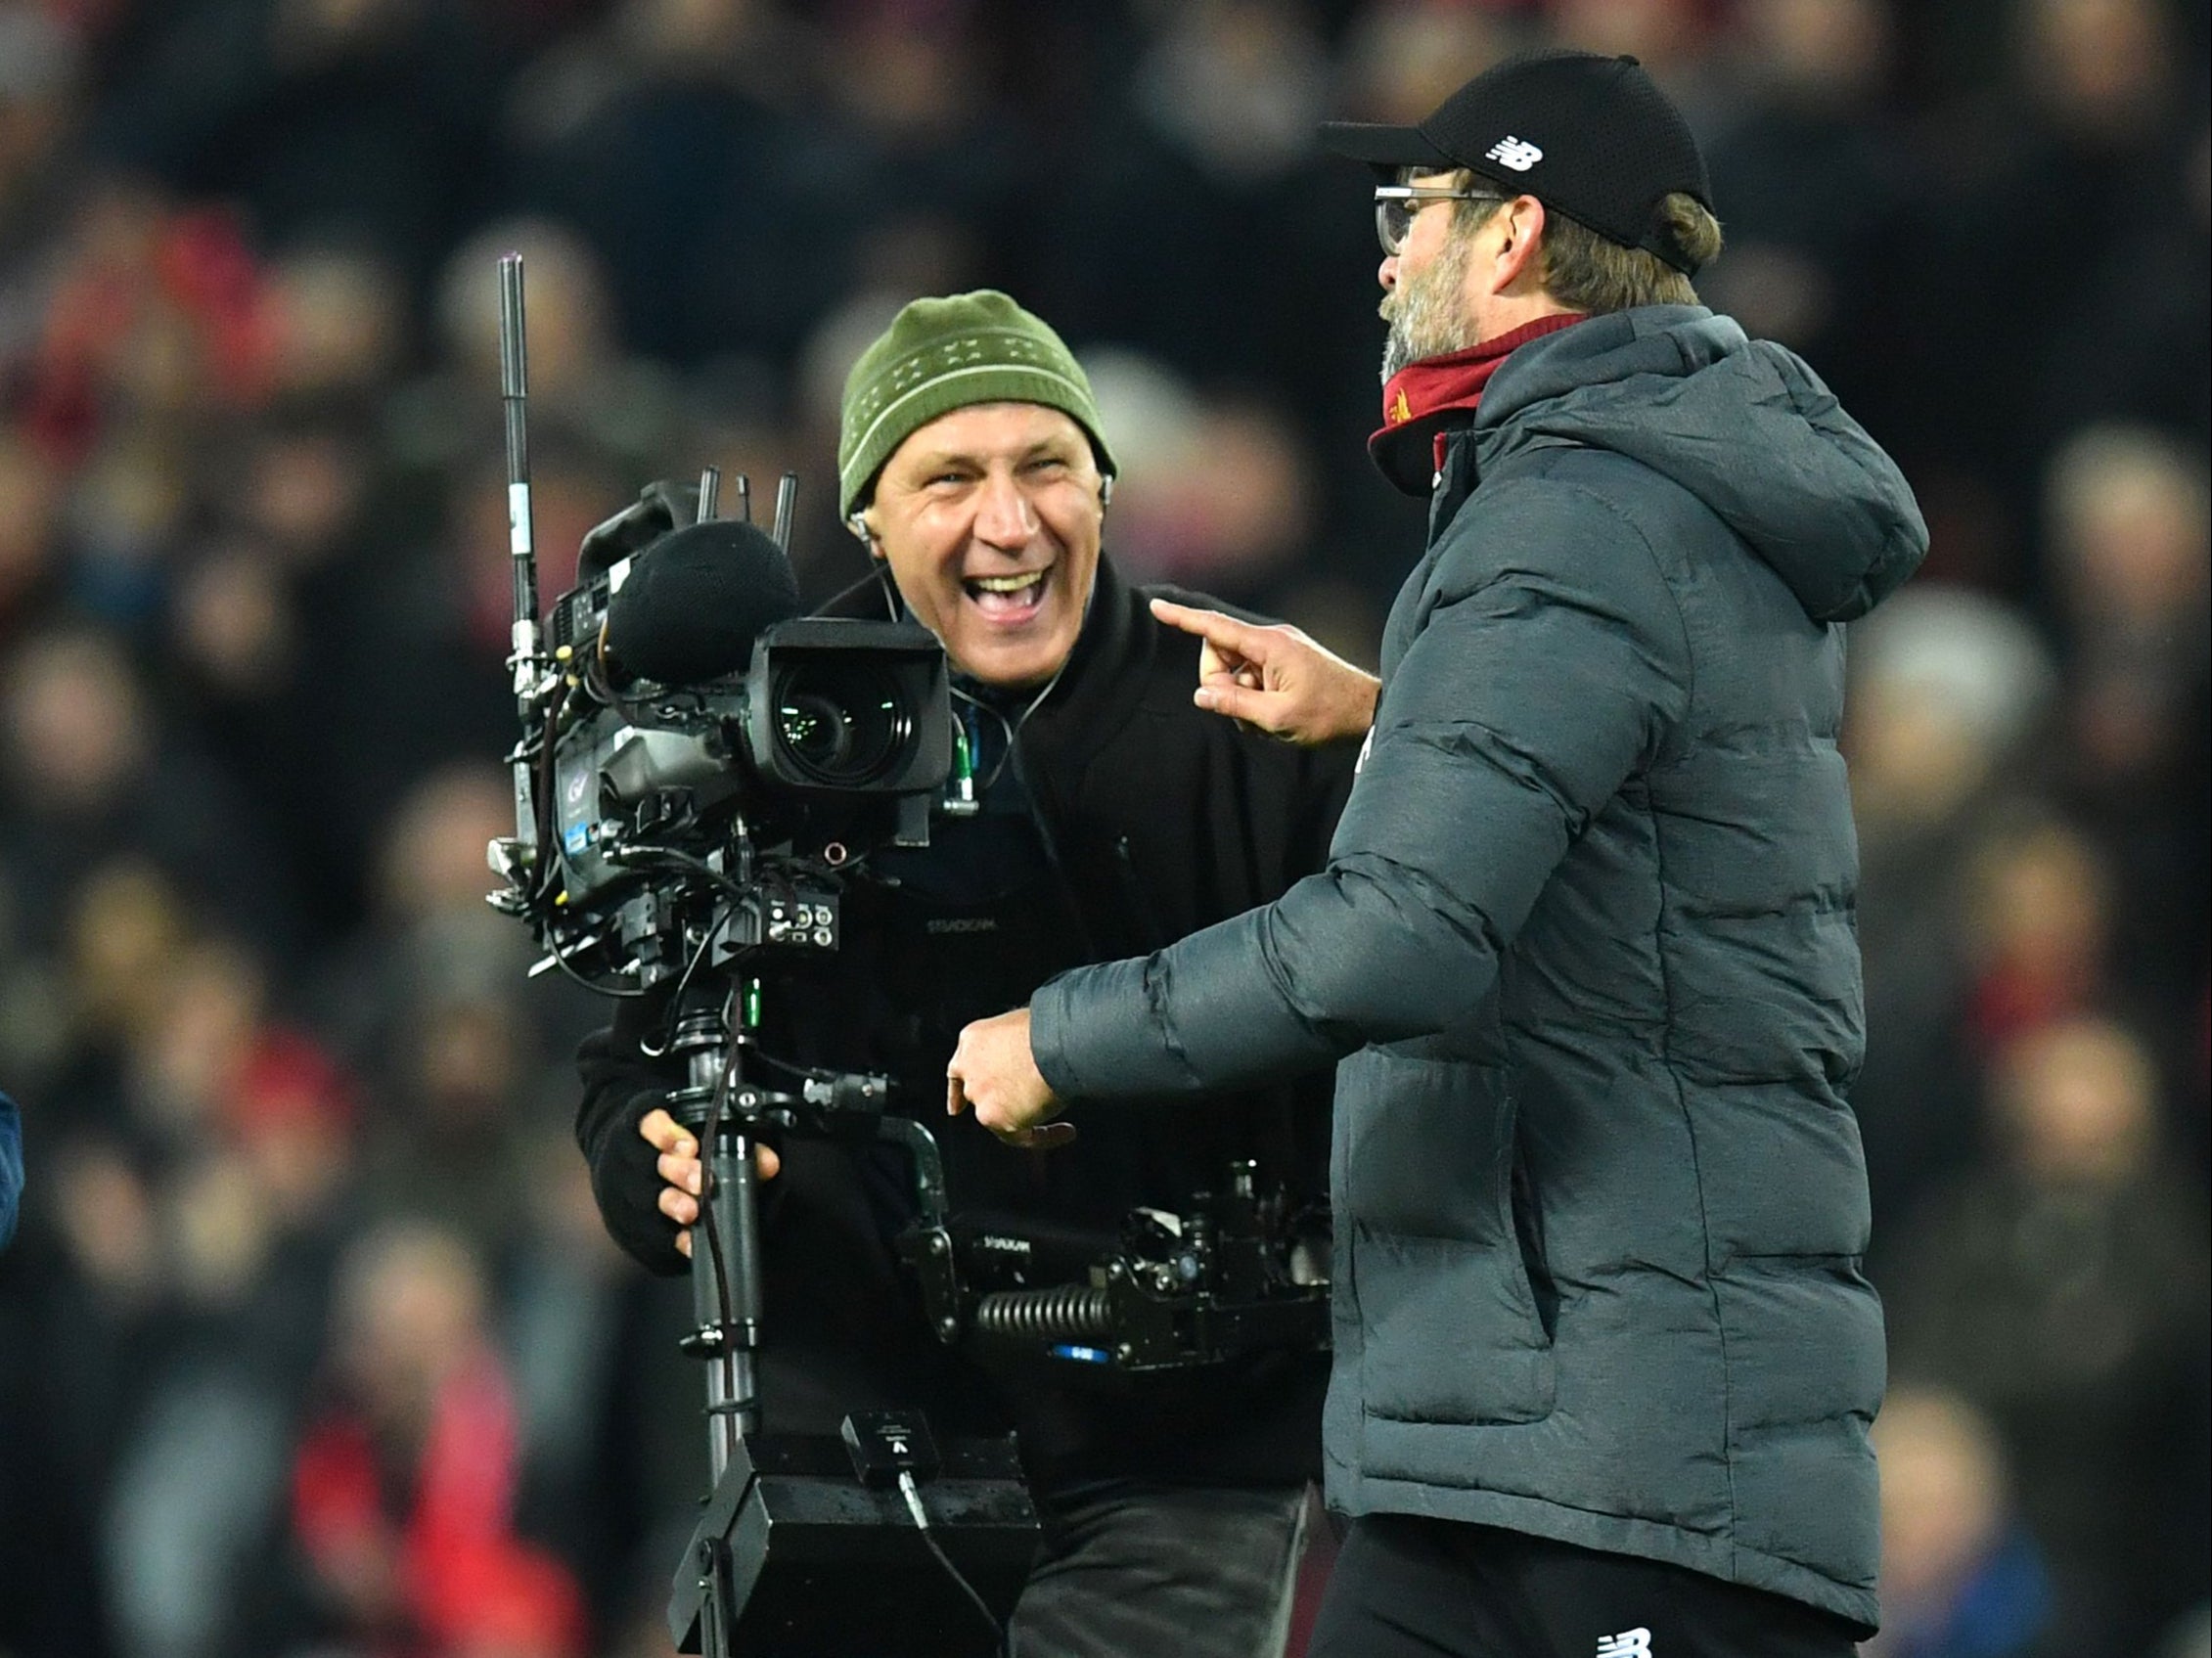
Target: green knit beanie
(939,355)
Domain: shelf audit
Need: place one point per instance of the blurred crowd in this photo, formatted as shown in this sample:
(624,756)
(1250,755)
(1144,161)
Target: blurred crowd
(311,1342)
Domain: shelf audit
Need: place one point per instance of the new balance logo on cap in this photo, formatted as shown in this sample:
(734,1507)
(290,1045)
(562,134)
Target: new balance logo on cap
(1520,155)
(1629,1643)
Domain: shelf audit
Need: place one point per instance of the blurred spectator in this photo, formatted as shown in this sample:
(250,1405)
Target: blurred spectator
(258,1222)
(39,77)
(150,315)
(2064,1289)
(1962,1576)
(1145,232)
(1403,59)
(2095,112)
(373,112)
(2130,567)
(2136,358)
(2130,546)
(335,319)
(403,1483)
(608,1403)
(1672,39)
(30,511)
(1816,192)
(431,1002)
(92,773)
(1948,695)
(666,136)
(582,381)
(2036,925)
(1213,493)
(125,516)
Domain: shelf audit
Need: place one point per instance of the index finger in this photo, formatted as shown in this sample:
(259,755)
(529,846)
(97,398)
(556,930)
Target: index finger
(1248,641)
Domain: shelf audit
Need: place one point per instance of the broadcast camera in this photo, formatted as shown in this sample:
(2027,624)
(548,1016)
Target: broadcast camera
(701,759)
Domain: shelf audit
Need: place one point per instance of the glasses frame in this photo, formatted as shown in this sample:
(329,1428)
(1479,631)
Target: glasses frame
(1397,205)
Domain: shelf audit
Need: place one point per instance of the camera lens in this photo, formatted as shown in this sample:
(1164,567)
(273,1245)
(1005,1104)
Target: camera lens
(840,725)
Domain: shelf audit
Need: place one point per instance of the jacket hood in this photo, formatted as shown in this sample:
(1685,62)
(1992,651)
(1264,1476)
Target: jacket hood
(1746,426)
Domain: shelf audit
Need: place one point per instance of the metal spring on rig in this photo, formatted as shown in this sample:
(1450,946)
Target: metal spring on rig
(1060,1309)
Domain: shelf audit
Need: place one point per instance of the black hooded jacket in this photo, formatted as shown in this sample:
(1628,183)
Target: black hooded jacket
(1120,818)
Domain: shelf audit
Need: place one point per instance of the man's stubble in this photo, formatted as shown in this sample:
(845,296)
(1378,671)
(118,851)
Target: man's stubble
(1426,312)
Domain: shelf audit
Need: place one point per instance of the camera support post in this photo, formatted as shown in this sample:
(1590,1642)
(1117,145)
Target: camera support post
(726,1272)
(791,1521)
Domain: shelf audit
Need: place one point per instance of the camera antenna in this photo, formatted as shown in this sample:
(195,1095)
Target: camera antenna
(709,494)
(787,497)
(513,393)
(745,496)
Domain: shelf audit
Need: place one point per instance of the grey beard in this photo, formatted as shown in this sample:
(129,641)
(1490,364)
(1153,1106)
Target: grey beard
(1424,315)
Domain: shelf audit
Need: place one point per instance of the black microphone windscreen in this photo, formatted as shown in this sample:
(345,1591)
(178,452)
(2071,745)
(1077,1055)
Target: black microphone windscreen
(692,601)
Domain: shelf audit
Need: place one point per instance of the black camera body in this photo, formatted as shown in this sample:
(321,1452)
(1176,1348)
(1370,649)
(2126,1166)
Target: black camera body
(715,817)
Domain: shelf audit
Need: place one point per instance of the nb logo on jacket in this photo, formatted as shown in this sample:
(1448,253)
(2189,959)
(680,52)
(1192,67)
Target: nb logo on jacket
(1629,1643)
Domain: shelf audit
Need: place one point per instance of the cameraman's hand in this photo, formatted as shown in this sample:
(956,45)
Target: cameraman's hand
(680,1167)
(1276,678)
(992,1070)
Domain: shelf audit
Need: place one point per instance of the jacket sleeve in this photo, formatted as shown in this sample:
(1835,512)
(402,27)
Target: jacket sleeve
(621,1086)
(1546,662)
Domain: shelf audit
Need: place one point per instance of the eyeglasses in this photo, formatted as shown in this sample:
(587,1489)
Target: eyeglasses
(1396,205)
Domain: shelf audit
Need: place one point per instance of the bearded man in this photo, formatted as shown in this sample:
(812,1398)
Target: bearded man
(1605,1357)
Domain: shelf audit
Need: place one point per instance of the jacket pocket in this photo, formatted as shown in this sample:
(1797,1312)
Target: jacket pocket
(1451,1329)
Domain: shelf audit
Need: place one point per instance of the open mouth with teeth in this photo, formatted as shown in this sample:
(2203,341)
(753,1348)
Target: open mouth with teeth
(1011,599)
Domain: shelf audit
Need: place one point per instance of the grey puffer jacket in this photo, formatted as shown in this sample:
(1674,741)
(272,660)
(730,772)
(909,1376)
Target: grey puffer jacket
(1587,936)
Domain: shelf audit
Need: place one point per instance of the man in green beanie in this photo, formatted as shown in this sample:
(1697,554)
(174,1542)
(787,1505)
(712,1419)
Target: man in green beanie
(969,458)
(1112,816)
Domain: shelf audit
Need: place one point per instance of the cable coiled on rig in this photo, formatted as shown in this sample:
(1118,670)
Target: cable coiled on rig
(1058,1312)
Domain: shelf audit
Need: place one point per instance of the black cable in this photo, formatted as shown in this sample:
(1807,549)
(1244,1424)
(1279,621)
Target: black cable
(706,1137)
(1002,1634)
(683,983)
(1012,726)
(611,990)
(878,571)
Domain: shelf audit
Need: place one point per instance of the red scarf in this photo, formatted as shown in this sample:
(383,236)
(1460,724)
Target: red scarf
(1431,398)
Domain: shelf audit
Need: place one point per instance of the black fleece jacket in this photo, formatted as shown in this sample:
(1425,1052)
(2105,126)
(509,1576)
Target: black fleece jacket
(1123,818)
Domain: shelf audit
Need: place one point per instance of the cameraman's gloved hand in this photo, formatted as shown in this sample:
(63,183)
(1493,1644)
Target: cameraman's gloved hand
(646,1179)
(627,1185)
(661,507)
(681,1172)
